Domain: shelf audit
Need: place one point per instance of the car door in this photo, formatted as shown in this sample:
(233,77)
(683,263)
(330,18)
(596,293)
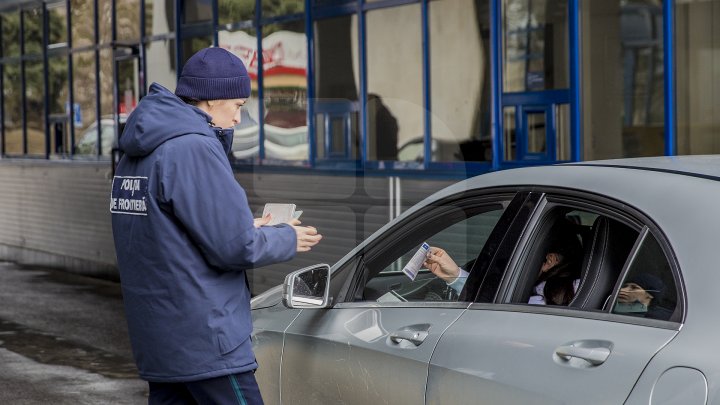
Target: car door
(374,345)
(509,351)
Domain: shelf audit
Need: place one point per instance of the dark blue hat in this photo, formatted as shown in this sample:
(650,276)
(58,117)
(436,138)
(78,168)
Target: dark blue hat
(650,283)
(213,74)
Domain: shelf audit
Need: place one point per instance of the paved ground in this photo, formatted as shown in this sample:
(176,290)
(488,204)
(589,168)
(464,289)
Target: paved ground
(63,340)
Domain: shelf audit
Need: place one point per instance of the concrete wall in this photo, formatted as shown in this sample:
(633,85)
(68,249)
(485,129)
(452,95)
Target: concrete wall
(55,213)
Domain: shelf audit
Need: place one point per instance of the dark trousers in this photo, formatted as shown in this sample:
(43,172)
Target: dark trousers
(235,389)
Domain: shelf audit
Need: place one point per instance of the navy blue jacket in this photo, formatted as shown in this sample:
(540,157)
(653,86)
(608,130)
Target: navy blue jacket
(184,235)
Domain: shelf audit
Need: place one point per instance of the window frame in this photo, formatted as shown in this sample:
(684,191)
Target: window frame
(603,205)
(393,236)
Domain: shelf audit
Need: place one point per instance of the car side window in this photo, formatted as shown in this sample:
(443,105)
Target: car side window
(461,233)
(575,259)
(648,290)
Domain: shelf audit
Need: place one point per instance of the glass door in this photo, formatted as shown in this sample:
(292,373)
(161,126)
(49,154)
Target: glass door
(535,80)
(129,88)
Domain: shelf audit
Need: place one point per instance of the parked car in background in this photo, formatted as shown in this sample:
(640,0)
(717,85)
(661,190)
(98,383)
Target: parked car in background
(87,144)
(639,329)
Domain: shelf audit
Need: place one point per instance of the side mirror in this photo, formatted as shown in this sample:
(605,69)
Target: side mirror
(308,287)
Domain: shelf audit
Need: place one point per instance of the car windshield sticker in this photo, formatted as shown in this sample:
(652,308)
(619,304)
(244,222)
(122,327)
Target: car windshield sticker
(128,195)
(414,265)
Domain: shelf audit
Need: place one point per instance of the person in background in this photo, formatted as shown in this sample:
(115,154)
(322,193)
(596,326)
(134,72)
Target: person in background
(640,295)
(185,237)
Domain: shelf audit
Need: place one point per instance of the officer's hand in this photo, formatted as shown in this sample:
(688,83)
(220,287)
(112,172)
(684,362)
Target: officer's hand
(307,237)
(441,264)
(258,222)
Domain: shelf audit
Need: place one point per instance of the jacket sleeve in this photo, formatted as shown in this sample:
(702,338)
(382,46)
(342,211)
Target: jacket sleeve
(197,186)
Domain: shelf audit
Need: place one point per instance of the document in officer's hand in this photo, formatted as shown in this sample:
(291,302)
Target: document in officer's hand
(281,213)
(415,264)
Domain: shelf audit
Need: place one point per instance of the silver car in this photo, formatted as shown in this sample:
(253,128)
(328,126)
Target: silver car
(363,332)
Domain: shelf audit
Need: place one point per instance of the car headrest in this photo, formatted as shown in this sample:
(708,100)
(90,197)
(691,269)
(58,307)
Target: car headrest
(605,253)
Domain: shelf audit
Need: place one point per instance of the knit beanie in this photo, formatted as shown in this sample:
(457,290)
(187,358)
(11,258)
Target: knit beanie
(213,74)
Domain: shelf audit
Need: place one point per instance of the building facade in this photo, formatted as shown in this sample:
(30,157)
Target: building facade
(359,108)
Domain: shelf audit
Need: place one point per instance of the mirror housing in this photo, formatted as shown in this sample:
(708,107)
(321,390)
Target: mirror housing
(308,287)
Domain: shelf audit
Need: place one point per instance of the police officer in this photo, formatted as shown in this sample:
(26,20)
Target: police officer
(184,236)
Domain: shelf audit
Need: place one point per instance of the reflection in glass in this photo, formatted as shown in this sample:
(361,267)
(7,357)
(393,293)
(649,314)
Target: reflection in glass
(698,88)
(11,33)
(196,11)
(34,100)
(243,43)
(128,20)
(84,110)
(282,7)
(625,114)
(336,88)
(105,20)
(107,113)
(536,132)
(12,118)
(83,28)
(161,63)
(57,23)
(562,131)
(509,133)
(232,11)
(58,81)
(192,45)
(535,47)
(285,91)
(395,103)
(128,85)
(460,80)
(33,31)
(159,17)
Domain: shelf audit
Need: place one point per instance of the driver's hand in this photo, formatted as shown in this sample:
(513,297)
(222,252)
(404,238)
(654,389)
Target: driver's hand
(441,264)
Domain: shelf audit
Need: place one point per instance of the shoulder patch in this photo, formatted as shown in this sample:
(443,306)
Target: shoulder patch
(128,195)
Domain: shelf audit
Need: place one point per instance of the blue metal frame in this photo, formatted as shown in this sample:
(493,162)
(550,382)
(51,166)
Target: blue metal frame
(71,90)
(260,83)
(669,84)
(496,108)
(310,90)
(576,144)
(2,96)
(362,48)
(178,39)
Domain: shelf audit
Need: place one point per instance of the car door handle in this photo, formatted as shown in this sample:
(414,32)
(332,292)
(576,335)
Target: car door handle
(414,336)
(593,355)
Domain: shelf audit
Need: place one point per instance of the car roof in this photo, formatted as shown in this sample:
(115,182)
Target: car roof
(707,166)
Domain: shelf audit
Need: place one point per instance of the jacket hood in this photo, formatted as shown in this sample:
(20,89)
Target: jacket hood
(161,116)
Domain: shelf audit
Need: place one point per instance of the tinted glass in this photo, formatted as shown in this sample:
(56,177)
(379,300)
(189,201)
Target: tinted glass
(458,240)
(57,23)
(336,87)
(232,11)
(161,64)
(460,91)
(105,20)
(648,290)
(84,110)
(697,51)
(243,43)
(395,102)
(33,30)
(192,45)
(11,33)
(535,50)
(195,11)
(285,91)
(83,28)
(34,107)
(622,79)
(159,17)
(128,20)
(274,8)
(12,118)
(58,81)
